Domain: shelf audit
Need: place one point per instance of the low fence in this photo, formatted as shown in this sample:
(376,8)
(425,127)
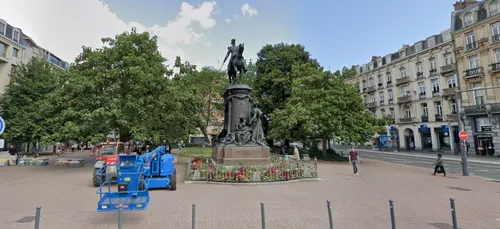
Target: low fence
(280,169)
(263,215)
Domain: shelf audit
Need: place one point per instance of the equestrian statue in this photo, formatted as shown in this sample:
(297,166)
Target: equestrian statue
(236,62)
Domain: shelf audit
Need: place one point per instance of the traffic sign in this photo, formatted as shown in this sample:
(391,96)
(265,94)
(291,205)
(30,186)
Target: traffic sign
(463,135)
(2,125)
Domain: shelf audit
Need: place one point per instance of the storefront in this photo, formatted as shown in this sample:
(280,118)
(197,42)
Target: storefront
(425,135)
(484,136)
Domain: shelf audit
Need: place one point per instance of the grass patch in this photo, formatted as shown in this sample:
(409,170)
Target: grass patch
(197,151)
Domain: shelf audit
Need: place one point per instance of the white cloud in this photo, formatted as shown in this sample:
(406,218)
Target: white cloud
(228,20)
(63,26)
(236,17)
(247,9)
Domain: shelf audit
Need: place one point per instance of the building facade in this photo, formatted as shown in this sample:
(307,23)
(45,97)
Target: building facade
(475,30)
(16,48)
(415,86)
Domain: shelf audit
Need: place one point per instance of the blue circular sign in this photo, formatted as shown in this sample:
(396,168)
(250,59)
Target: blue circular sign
(2,125)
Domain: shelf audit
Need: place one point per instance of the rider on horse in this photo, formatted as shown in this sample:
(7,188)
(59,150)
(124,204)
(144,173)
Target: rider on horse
(232,67)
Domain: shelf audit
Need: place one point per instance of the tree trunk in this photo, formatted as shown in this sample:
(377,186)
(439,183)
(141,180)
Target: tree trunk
(323,148)
(329,144)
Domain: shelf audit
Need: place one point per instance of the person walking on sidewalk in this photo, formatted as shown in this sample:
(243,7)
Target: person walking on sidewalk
(13,155)
(354,160)
(439,166)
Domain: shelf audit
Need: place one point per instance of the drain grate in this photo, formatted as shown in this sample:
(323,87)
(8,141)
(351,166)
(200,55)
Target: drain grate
(459,189)
(26,219)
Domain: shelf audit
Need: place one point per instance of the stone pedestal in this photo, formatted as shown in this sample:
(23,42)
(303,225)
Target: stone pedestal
(248,154)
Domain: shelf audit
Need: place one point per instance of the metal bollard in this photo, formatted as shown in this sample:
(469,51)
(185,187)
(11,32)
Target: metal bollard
(329,206)
(263,215)
(193,216)
(453,213)
(393,218)
(120,217)
(37,217)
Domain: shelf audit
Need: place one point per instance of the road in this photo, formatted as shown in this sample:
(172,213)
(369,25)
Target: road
(489,171)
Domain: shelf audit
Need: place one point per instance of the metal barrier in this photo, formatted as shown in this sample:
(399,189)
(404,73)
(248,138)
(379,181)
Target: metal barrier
(263,215)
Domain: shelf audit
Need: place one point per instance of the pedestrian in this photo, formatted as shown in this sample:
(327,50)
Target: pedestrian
(412,146)
(439,166)
(296,153)
(92,152)
(13,155)
(354,160)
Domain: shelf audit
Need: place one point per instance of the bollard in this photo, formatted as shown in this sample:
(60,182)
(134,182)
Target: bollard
(329,206)
(453,213)
(393,219)
(263,215)
(120,217)
(193,216)
(37,217)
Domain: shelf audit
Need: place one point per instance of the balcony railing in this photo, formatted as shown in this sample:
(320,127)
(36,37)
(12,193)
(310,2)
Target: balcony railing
(495,67)
(381,102)
(380,84)
(471,46)
(371,89)
(448,69)
(495,107)
(476,109)
(474,72)
(449,91)
(425,118)
(436,94)
(390,101)
(433,72)
(495,38)
(421,96)
(403,80)
(452,117)
(420,75)
(407,120)
(389,83)
(404,99)
(371,105)
(438,117)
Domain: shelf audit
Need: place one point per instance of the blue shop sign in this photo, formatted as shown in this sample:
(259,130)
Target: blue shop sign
(444,128)
(423,127)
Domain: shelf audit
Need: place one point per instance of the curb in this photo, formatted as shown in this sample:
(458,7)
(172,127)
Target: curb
(254,183)
(431,157)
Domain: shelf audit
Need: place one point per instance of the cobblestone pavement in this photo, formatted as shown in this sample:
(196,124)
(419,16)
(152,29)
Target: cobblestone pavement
(421,200)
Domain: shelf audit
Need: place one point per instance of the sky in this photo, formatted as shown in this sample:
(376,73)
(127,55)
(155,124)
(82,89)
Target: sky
(336,32)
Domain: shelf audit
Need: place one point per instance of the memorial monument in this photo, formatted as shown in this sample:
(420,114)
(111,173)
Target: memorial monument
(242,138)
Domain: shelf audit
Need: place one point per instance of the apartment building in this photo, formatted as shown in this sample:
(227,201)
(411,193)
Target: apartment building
(475,30)
(415,85)
(16,48)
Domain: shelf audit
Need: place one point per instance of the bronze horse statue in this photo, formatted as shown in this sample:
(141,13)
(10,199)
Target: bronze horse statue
(236,65)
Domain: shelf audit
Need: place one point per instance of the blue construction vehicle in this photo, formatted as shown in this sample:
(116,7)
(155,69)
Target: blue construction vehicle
(136,175)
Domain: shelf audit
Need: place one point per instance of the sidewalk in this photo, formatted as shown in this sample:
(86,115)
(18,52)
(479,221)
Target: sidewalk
(479,160)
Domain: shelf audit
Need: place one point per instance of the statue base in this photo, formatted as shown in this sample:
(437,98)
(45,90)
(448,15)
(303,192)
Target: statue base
(247,154)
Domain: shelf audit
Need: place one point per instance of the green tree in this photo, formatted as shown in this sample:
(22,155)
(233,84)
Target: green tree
(124,86)
(24,101)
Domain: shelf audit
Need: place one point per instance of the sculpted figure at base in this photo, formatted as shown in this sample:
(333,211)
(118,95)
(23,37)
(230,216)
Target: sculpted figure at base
(244,132)
(257,130)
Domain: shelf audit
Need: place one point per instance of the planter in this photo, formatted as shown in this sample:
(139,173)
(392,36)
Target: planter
(305,157)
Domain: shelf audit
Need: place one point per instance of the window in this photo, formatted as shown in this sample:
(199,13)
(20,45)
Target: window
(401,54)
(391,95)
(364,84)
(380,79)
(470,40)
(381,96)
(3,49)
(2,28)
(15,52)
(468,19)
(407,112)
(365,98)
(419,68)
(435,85)
(448,59)
(497,55)
(453,106)
(439,110)
(494,8)
(478,94)
(495,31)
(452,82)
(425,109)
(402,71)
(405,91)
(16,36)
(393,114)
(421,87)
(473,61)
(432,63)
(418,47)
(13,69)
(389,77)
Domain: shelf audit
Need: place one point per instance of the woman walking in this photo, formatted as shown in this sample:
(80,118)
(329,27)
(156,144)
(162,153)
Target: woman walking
(439,166)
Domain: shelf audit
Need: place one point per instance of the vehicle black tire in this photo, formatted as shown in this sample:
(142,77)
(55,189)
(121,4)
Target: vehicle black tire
(95,179)
(173,181)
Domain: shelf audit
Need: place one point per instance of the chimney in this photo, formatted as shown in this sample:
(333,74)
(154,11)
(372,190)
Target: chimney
(464,4)
(406,46)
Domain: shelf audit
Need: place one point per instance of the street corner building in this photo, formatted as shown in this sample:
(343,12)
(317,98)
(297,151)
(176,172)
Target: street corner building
(417,85)
(475,28)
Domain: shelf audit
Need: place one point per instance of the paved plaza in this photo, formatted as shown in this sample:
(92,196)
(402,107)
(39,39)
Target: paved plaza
(421,200)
